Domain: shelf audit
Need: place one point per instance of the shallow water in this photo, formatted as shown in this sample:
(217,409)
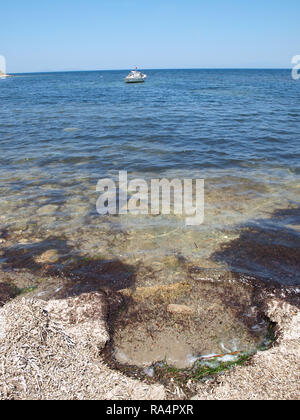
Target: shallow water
(186,322)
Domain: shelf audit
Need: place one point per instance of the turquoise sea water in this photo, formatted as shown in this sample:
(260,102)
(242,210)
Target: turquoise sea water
(238,129)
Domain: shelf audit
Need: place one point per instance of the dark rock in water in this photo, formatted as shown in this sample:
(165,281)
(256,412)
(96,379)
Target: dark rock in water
(7,293)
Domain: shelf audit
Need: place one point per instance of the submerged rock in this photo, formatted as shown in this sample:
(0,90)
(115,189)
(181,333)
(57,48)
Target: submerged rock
(159,291)
(47,210)
(50,256)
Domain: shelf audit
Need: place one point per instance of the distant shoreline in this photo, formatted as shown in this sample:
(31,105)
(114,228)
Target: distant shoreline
(4,75)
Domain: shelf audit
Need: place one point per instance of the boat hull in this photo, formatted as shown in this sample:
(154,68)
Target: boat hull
(134,80)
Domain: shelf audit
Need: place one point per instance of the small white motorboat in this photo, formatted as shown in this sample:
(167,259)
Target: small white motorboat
(135,76)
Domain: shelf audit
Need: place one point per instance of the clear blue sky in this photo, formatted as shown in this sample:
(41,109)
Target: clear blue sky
(44,35)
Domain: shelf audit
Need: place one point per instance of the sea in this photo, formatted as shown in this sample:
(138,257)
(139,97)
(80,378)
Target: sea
(238,130)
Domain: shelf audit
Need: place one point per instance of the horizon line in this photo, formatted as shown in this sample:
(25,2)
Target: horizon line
(150,69)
